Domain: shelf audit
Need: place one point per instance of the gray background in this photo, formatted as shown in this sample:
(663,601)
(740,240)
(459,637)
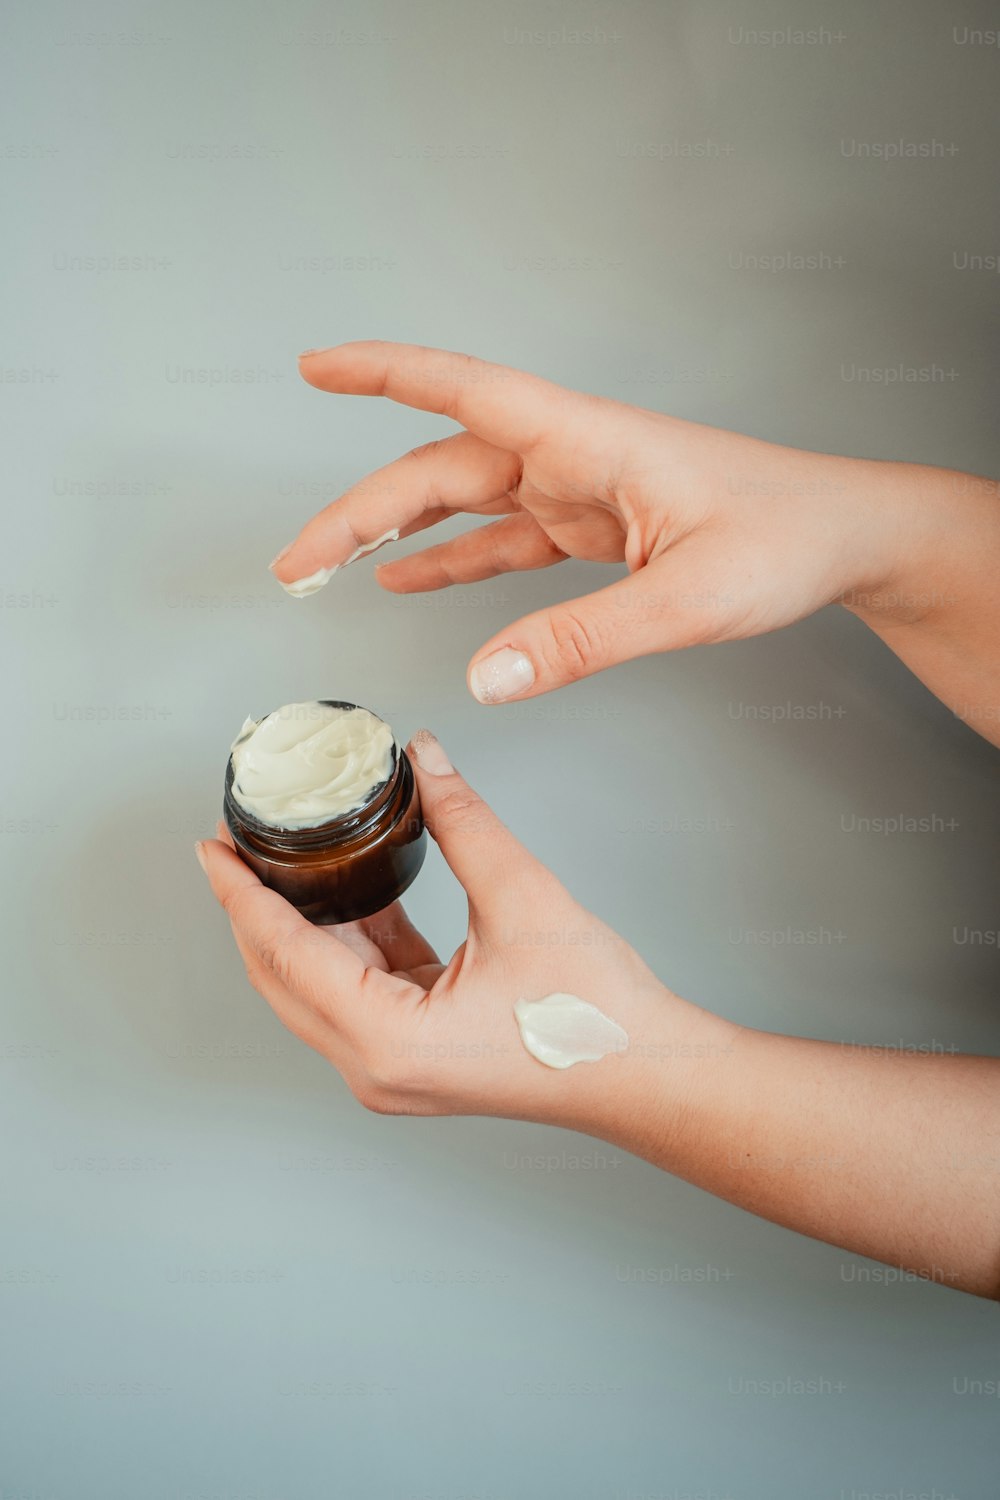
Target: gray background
(424,1294)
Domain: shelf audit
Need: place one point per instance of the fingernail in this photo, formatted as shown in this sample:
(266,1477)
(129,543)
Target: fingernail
(429,754)
(199,850)
(283,553)
(501,676)
(308,353)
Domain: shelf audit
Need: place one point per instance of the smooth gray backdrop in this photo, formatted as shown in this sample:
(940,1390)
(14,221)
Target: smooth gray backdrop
(220,1277)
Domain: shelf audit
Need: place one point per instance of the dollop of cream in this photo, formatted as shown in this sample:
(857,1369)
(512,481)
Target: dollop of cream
(561,1030)
(301,588)
(309,762)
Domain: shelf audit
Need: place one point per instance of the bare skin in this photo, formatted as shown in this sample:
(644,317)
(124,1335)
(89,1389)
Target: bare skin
(894,1155)
(724,536)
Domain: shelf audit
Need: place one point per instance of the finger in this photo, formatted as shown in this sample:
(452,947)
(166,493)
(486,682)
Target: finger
(294,1014)
(459,473)
(497,872)
(387,941)
(307,960)
(353,937)
(402,945)
(506,407)
(426,975)
(661,607)
(515,544)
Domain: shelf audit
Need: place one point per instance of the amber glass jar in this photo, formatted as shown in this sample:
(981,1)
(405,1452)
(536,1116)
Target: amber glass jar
(356,864)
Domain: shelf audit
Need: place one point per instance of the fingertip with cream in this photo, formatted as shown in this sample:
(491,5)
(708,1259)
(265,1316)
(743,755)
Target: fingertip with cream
(301,588)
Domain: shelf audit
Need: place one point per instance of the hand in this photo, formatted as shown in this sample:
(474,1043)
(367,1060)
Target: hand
(411,1035)
(886,1153)
(724,536)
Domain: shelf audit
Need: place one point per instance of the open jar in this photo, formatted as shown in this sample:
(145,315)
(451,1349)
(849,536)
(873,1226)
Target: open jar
(322,804)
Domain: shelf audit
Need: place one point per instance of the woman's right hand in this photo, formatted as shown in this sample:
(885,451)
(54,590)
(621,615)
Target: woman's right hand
(892,1154)
(724,536)
(413,1035)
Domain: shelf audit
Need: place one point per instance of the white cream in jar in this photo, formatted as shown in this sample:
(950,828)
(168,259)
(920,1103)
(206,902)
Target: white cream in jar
(306,763)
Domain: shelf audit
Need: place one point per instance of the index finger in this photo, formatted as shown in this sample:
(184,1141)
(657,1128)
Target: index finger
(507,407)
(308,960)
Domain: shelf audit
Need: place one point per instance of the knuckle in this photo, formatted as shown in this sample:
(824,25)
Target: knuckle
(276,951)
(463,807)
(575,644)
(271,954)
(235,903)
(425,452)
(462,370)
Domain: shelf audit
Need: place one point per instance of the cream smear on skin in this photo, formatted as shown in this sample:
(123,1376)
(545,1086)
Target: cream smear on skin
(562,1030)
(301,588)
(309,762)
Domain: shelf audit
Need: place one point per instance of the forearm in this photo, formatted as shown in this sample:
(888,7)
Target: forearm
(932,592)
(890,1154)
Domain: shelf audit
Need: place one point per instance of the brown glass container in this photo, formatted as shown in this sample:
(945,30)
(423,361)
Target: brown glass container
(353,866)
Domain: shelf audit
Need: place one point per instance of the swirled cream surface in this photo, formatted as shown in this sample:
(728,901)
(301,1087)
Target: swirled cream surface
(561,1030)
(309,762)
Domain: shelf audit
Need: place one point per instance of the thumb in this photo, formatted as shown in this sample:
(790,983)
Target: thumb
(495,869)
(657,608)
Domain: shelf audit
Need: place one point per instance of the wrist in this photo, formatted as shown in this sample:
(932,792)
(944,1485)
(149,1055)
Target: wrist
(932,530)
(642,1099)
(859,517)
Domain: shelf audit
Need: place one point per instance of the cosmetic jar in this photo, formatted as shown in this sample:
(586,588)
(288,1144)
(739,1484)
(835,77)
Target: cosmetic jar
(334,866)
